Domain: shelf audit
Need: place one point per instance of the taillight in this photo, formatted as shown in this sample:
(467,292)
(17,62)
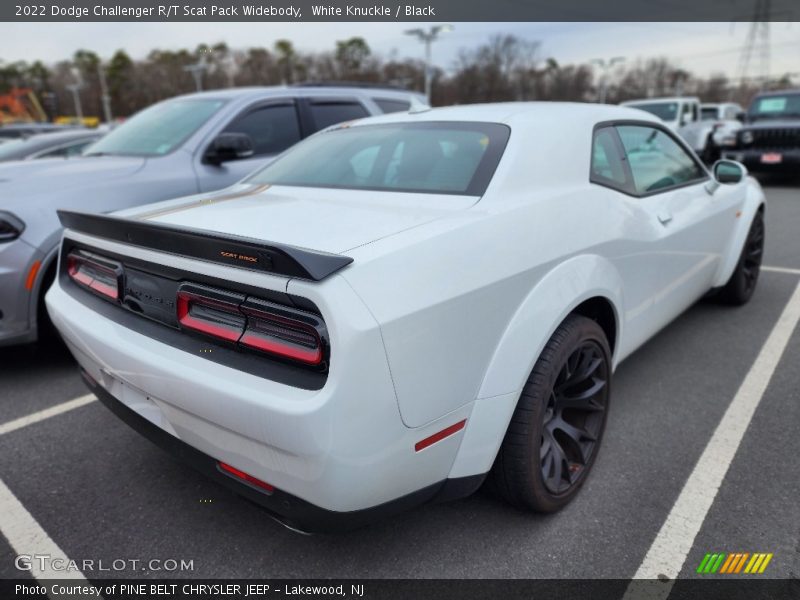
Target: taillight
(96,274)
(252,323)
(273,329)
(210,311)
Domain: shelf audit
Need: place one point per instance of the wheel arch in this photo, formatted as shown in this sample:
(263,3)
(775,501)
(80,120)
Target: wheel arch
(47,268)
(588,285)
(755,202)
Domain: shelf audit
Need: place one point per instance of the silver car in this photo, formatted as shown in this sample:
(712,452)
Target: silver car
(186,145)
(64,144)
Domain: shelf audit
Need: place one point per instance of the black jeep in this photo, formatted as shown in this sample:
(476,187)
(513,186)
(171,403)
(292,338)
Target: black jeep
(770,137)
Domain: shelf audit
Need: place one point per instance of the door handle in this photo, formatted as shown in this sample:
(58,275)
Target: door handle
(664,217)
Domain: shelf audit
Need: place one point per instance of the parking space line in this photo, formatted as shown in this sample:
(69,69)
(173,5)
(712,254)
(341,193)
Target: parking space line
(46,413)
(676,537)
(786,270)
(28,539)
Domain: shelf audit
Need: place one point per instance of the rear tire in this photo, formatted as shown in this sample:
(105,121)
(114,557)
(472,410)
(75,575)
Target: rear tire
(743,281)
(556,430)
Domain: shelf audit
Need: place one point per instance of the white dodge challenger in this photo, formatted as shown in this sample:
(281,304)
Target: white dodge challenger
(399,308)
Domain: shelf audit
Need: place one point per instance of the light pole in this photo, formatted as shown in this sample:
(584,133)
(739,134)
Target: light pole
(427,38)
(605,67)
(197,71)
(104,96)
(75,88)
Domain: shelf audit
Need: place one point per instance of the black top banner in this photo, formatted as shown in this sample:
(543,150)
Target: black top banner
(392,10)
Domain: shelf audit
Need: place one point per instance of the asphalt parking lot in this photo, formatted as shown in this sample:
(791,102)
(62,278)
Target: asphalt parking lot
(102,492)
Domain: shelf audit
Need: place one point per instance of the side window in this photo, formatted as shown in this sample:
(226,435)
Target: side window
(656,160)
(331,113)
(607,161)
(272,128)
(392,106)
(57,153)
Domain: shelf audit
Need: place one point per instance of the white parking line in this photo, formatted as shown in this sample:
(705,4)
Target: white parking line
(786,270)
(671,546)
(29,540)
(46,413)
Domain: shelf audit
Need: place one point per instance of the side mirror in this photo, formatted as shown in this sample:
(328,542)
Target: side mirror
(729,171)
(741,116)
(229,146)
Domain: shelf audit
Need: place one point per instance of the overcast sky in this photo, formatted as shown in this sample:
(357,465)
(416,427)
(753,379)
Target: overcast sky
(703,48)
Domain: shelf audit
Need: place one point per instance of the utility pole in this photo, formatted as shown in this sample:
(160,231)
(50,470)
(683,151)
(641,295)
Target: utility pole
(758,38)
(427,38)
(605,68)
(104,97)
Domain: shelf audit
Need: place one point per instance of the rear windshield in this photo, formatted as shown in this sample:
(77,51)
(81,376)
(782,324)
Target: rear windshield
(432,157)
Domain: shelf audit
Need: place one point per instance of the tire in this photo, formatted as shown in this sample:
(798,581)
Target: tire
(540,466)
(743,281)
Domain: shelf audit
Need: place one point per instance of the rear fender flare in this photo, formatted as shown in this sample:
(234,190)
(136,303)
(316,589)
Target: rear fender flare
(754,201)
(554,297)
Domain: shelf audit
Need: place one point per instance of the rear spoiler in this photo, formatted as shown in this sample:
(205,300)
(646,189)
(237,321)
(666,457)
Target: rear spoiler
(232,250)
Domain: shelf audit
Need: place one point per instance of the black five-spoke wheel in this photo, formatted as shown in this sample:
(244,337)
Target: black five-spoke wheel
(573,419)
(557,427)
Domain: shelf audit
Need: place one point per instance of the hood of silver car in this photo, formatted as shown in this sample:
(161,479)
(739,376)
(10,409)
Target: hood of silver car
(26,179)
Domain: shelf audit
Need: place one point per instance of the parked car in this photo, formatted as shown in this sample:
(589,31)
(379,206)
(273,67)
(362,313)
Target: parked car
(682,115)
(64,144)
(770,138)
(194,143)
(725,119)
(18,130)
(394,309)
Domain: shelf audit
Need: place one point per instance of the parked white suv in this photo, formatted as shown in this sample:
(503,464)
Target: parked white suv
(682,114)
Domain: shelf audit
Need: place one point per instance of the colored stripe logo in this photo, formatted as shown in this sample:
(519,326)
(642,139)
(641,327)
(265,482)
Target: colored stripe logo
(734,562)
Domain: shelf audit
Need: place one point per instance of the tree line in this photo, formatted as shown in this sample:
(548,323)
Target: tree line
(502,69)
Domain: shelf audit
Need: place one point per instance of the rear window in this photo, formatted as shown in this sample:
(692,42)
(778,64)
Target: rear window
(392,106)
(326,114)
(443,158)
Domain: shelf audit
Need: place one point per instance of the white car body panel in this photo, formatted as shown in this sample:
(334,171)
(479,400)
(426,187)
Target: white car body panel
(440,317)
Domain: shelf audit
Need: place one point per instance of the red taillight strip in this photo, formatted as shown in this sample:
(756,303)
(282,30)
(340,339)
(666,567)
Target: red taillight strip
(311,356)
(234,472)
(74,264)
(437,437)
(187,320)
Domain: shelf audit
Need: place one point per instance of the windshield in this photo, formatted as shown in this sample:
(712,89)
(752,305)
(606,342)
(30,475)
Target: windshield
(157,130)
(12,149)
(775,107)
(440,158)
(666,111)
(708,114)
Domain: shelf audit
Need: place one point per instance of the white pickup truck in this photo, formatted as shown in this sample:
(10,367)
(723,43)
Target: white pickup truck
(684,115)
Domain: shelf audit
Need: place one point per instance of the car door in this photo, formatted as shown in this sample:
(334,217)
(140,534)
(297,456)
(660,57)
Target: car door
(273,126)
(690,225)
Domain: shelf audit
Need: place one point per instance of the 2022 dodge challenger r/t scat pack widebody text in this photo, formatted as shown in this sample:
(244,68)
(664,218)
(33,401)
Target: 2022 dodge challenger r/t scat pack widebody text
(400,306)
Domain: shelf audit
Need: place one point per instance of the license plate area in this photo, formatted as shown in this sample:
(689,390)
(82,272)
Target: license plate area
(151,296)
(772,158)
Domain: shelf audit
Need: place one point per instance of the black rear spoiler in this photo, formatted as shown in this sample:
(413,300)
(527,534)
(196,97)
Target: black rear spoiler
(237,251)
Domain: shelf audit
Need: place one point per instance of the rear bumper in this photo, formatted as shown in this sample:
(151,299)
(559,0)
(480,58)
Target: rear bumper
(343,448)
(752,159)
(290,510)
